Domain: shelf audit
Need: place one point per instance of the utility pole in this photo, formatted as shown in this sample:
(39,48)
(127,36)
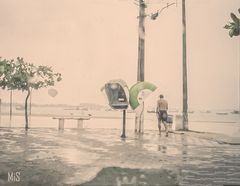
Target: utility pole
(238,59)
(184,69)
(141,41)
(140,70)
(238,74)
(139,119)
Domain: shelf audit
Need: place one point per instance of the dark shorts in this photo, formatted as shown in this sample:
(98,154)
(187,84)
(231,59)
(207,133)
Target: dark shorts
(162,116)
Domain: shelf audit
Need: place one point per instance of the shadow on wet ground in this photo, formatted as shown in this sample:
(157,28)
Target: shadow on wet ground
(90,156)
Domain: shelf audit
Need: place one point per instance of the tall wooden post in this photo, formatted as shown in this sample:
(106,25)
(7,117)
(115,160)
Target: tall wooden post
(141,55)
(141,41)
(184,69)
(238,43)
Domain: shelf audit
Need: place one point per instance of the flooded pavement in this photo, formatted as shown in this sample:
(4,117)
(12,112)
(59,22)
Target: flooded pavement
(101,157)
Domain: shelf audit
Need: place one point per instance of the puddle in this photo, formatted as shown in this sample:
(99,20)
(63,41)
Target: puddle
(17,149)
(75,156)
(82,175)
(39,155)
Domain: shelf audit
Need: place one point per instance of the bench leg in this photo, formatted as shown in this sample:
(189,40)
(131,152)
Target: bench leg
(80,124)
(61,124)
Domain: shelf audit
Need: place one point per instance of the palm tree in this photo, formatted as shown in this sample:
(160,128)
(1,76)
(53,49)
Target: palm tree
(234,27)
(234,30)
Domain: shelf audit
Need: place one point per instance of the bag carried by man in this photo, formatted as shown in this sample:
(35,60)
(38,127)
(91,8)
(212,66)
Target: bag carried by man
(163,115)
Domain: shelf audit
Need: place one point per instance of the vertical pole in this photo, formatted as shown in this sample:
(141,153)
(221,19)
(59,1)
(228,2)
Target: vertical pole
(184,69)
(10,111)
(0,111)
(124,125)
(30,108)
(141,50)
(238,51)
(142,118)
(141,41)
(238,59)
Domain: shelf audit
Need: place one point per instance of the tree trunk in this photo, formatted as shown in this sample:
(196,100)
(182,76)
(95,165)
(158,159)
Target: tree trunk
(185,89)
(26,110)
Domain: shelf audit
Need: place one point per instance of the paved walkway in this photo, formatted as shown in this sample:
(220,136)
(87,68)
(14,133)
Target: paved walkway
(74,157)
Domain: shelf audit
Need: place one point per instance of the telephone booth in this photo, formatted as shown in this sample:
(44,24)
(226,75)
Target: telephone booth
(118,96)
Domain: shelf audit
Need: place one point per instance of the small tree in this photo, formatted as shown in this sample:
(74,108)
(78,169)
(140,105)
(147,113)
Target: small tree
(234,27)
(2,68)
(6,69)
(3,64)
(19,75)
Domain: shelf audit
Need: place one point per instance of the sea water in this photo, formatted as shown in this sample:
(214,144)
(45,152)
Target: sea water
(223,122)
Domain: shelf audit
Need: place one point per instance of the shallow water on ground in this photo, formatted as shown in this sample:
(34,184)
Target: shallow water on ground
(74,156)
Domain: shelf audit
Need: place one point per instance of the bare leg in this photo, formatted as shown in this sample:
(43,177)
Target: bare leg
(166,127)
(159,126)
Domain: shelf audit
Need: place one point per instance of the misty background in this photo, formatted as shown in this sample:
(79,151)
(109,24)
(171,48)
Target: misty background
(93,41)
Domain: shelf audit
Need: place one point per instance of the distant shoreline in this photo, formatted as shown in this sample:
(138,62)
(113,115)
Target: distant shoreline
(129,116)
(66,115)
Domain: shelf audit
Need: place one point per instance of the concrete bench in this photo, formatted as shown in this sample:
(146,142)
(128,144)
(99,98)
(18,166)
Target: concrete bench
(62,119)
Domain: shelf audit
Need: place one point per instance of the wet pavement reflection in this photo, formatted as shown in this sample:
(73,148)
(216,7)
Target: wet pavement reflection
(73,156)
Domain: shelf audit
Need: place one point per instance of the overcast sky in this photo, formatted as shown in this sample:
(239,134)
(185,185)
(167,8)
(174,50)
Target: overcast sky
(93,41)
